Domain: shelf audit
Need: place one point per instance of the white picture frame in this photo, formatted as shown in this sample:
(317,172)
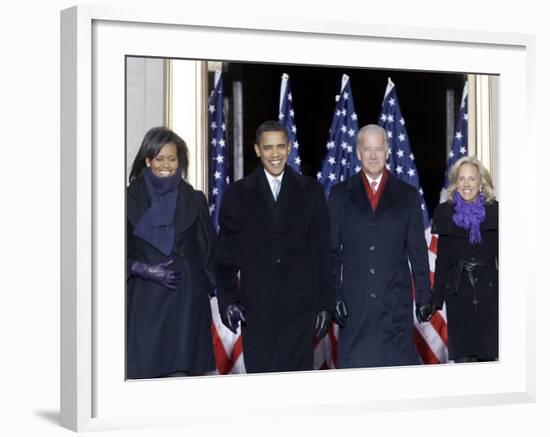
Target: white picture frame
(94,395)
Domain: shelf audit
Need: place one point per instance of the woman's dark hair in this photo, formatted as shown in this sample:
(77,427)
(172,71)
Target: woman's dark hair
(154,140)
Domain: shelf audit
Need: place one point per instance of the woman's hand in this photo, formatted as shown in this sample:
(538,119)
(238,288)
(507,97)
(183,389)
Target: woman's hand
(157,273)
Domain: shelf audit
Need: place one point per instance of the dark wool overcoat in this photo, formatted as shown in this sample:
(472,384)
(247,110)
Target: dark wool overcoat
(169,330)
(371,255)
(472,327)
(282,251)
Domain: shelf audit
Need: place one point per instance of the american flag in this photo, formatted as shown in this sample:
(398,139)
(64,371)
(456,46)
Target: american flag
(339,164)
(459,147)
(341,161)
(286,117)
(227,346)
(431,337)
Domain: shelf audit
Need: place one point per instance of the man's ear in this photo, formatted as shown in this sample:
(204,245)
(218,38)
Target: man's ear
(257,149)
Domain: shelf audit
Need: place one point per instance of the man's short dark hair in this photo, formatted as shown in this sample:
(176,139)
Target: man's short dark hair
(270,126)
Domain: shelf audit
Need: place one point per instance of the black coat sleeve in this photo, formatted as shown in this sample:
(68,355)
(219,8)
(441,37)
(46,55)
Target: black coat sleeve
(227,255)
(335,245)
(417,249)
(206,239)
(321,253)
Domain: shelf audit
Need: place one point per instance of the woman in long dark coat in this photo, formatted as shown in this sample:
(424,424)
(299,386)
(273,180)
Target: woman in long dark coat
(466,269)
(170,239)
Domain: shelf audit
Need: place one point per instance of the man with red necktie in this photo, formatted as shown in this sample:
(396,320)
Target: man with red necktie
(377,239)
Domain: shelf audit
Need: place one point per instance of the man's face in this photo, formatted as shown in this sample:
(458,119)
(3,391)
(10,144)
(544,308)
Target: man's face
(372,153)
(273,151)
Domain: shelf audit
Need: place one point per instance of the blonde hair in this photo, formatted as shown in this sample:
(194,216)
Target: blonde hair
(486,180)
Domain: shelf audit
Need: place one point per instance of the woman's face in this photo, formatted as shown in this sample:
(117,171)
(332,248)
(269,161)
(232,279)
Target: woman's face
(468,182)
(166,162)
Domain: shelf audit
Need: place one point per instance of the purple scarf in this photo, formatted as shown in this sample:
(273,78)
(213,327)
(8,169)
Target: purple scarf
(469,215)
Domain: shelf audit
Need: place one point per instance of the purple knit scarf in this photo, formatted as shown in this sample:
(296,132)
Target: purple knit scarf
(468,215)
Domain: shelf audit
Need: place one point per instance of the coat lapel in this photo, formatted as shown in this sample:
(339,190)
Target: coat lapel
(388,196)
(186,208)
(358,196)
(289,198)
(257,193)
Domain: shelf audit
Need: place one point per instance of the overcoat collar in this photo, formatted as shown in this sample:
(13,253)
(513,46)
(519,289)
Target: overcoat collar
(359,198)
(139,201)
(259,198)
(443,220)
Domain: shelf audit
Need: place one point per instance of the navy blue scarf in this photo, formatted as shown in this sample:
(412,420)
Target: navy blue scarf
(157,224)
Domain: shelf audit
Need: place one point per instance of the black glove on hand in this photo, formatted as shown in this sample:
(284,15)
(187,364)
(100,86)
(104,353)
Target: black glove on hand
(322,319)
(341,313)
(424,312)
(232,315)
(157,273)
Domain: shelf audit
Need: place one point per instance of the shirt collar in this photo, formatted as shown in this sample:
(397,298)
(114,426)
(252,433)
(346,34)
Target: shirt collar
(378,179)
(271,178)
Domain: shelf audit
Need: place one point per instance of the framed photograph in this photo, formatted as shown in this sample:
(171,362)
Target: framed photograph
(95,43)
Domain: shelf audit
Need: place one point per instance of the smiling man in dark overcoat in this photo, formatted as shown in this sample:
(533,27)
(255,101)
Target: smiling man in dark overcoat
(273,259)
(377,241)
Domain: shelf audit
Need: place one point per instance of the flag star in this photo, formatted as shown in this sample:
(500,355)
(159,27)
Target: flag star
(330,145)
(344,129)
(212,208)
(390,134)
(401,137)
(214,141)
(402,121)
(338,112)
(421,191)
(213,125)
(357,168)
(349,149)
(451,154)
(458,135)
(281,115)
(351,132)
(332,176)
(289,97)
(211,109)
(383,117)
(346,95)
(297,160)
(344,162)
(227,179)
(223,126)
(465,117)
(411,157)
(221,142)
(319,175)
(215,192)
(344,112)
(354,116)
(291,112)
(411,172)
(295,144)
(389,151)
(400,153)
(391,101)
(388,166)
(462,104)
(423,206)
(390,118)
(331,160)
(463,150)
(341,177)
(219,159)
(217,175)
(344,145)
(293,128)
(398,169)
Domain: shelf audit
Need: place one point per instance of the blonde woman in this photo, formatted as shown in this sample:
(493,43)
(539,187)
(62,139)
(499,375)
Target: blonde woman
(466,270)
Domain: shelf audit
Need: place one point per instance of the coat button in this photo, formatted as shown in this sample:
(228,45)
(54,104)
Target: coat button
(277,261)
(372,271)
(373,295)
(372,248)
(371,224)
(475,301)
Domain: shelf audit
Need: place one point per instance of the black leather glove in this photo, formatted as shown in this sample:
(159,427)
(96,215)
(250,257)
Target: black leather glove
(322,320)
(231,315)
(341,313)
(424,312)
(157,273)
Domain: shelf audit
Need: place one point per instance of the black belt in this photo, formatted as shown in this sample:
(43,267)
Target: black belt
(470,265)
